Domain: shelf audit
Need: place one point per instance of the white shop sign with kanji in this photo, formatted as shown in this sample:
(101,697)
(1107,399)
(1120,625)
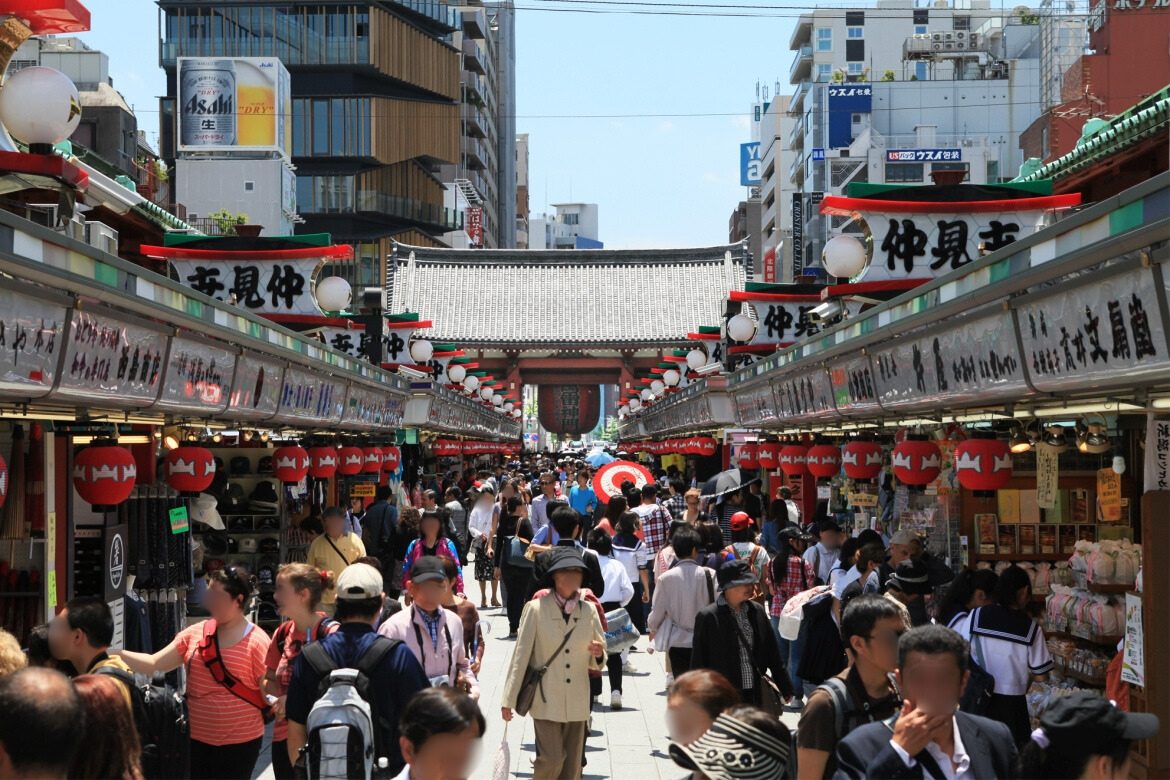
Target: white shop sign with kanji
(921,245)
(784,323)
(258,286)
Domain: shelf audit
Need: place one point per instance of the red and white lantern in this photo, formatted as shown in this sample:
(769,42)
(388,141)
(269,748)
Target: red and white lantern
(769,455)
(104,474)
(916,461)
(862,459)
(372,460)
(794,459)
(350,461)
(391,458)
(189,469)
(983,464)
(749,456)
(322,462)
(823,461)
(290,464)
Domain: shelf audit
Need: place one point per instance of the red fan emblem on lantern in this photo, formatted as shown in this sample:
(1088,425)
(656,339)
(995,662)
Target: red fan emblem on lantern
(372,460)
(391,458)
(350,461)
(190,469)
(607,482)
(983,464)
(104,474)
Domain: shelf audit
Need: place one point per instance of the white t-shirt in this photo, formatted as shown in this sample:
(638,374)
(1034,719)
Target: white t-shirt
(479,521)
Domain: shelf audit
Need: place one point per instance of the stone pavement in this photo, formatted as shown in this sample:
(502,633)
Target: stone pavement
(626,743)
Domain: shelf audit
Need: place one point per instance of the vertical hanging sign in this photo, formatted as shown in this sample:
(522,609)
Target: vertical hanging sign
(1047,476)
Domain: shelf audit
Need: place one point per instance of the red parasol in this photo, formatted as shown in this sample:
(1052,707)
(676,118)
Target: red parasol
(607,482)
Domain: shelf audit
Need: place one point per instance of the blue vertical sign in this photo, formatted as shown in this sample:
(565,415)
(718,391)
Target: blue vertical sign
(845,100)
(750,165)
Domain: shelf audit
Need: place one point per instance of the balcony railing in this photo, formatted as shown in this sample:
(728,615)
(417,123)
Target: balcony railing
(473,56)
(410,209)
(801,64)
(797,99)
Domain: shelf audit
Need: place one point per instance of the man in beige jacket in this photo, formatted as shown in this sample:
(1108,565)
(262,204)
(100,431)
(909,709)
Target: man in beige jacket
(681,592)
(562,633)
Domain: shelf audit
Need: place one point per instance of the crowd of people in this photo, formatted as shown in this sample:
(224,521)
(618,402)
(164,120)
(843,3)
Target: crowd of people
(754,614)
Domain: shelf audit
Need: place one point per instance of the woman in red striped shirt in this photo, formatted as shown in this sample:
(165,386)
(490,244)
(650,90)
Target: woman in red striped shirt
(789,574)
(224,657)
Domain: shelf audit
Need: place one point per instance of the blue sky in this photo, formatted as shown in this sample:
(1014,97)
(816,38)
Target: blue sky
(660,181)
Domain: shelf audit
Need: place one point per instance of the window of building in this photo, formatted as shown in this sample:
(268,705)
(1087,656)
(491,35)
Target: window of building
(921,29)
(854,18)
(855,50)
(920,70)
(824,71)
(921,16)
(903,172)
(961,23)
(953,166)
(571,219)
(824,39)
(854,32)
(855,68)
(857,118)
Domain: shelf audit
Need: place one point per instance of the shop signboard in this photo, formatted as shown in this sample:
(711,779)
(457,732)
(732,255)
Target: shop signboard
(924,155)
(372,409)
(393,410)
(110,359)
(198,377)
(975,359)
(31,339)
(854,388)
(259,286)
(805,395)
(310,398)
(1107,331)
(924,240)
(755,406)
(234,105)
(750,164)
(256,388)
(1157,459)
(475,227)
(846,100)
(784,322)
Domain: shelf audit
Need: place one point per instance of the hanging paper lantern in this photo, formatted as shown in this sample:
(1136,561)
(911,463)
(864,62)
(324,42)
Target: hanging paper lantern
(372,460)
(794,459)
(290,464)
(3,481)
(322,462)
(916,461)
(350,461)
(823,461)
(189,469)
(862,459)
(749,456)
(768,454)
(104,474)
(446,448)
(983,464)
(570,409)
(391,458)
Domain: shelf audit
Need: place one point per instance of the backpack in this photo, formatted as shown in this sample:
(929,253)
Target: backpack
(843,709)
(343,724)
(824,652)
(160,717)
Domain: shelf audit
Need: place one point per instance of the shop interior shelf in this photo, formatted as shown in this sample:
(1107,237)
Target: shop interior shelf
(1104,641)
(1029,557)
(1102,587)
(1098,682)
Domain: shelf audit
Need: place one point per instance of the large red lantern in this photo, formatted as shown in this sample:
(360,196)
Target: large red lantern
(322,462)
(703,446)
(916,461)
(823,461)
(3,481)
(104,474)
(569,409)
(769,455)
(372,460)
(350,461)
(983,464)
(290,464)
(862,459)
(391,458)
(749,456)
(794,459)
(189,469)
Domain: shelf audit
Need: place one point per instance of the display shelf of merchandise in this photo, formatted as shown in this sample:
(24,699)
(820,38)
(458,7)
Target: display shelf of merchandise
(1096,639)
(1087,679)
(1051,558)
(1109,587)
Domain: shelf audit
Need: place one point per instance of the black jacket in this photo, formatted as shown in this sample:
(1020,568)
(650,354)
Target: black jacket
(593,579)
(716,644)
(866,752)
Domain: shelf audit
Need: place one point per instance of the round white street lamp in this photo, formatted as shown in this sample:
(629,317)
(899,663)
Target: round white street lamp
(671,378)
(843,257)
(421,351)
(646,394)
(40,106)
(741,328)
(696,359)
(635,404)
(497,400)
(517,413)
(333,293)
(470,383)
(486,393)
(509,406)
(657,386)
(456,373)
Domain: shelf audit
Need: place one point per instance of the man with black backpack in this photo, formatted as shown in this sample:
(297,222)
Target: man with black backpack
(81,634)
(379,525)
(349,688)
(863,693)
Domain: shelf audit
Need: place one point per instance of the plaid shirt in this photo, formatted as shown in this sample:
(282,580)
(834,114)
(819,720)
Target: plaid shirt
(676,505)
(432,622)
(747,671)
(792,582)
(655,527)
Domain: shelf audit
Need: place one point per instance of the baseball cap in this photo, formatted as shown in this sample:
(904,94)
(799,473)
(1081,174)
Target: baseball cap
(732,749)
(359,581)
(741,521)
(428,568)
(1087,723)
(735,572)
(905,536)
(205,510)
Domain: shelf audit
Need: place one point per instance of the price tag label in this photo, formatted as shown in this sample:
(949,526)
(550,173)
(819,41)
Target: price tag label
(179,521)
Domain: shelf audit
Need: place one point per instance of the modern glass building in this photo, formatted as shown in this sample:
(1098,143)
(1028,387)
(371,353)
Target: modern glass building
(375,109)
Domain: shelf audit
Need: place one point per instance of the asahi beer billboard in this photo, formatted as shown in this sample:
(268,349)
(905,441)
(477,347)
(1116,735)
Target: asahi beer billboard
(234,104)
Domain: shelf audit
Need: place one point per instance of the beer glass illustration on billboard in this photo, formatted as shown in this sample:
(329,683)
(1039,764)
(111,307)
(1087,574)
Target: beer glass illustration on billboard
(256,99)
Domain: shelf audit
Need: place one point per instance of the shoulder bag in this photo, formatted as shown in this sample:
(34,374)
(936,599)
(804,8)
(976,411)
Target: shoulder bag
(534,679)
(209,653)
(771,699)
